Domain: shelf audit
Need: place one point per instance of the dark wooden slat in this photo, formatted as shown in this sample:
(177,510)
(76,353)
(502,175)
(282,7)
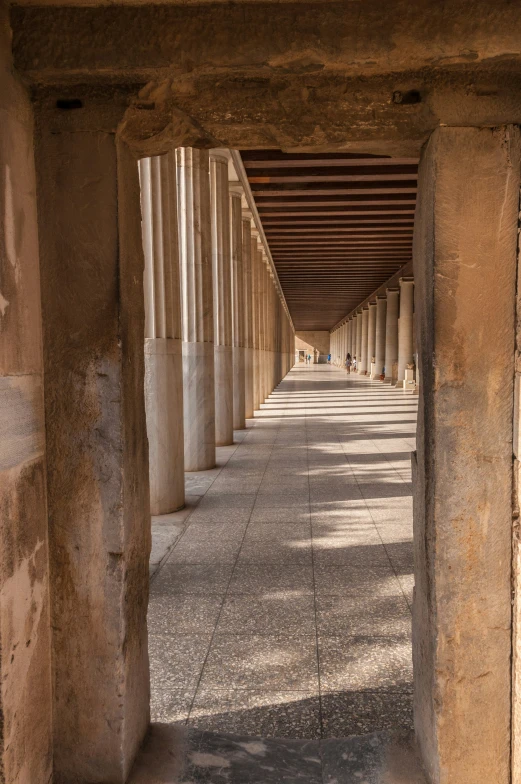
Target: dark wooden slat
(313,162)
(335,175)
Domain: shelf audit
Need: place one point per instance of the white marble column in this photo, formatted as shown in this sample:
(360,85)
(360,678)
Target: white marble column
(238,315)
(391,332)
(371,336)
(256,311)
(195,245)
(163,345)
(358,340)
(248,314)
(405,328)
(222,298)
(363,344)
(352,348)
(381,312)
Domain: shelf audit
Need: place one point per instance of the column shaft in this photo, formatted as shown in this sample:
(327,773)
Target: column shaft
(405,336)
(465,273)
(371,336)
(363,343)
(163,346)
(238,315)
(197,307)
(358,340)
(391,332)
(97,455)
(381,313)
(248,316)
(222,298)
(26,696)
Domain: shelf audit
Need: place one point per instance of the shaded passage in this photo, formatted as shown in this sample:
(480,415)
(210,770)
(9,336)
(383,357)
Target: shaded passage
(280,598)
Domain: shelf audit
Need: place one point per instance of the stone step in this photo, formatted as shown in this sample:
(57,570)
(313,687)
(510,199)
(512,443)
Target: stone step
(173,755)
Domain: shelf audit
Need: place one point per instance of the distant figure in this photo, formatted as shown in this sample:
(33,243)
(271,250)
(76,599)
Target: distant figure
(349,362)
(329,359)
(354,365)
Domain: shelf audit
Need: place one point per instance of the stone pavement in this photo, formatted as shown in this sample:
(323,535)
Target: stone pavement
(280,598)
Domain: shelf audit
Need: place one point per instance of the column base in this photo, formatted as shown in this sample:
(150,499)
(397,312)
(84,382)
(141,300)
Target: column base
(239,392)
(164,414)
(223,356)
(199,406)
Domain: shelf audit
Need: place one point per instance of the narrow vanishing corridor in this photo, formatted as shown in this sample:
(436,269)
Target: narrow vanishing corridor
(281,596)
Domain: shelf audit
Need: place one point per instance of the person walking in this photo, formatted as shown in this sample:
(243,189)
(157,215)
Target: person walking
(329,359)
(349,362)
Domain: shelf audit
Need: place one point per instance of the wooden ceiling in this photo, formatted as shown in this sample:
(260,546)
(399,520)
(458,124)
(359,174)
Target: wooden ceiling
(338,226)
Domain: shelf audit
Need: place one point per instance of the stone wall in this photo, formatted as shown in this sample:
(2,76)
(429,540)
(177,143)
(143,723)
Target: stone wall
(25,659)
(309,341)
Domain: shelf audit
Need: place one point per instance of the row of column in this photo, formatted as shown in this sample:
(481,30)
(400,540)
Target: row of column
(217,336)
(379,336)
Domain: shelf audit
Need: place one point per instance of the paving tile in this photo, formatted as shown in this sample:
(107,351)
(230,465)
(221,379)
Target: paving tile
(286,541)
(182,614)
(221,515)
(364,663)
(357,713)
(354,556)
(364,615)
(281,514)
(366,581)
(176,661)
(186,578)
(292,579)
(273,612)
(171,706)
(227,501)
(284,662)
(270,714)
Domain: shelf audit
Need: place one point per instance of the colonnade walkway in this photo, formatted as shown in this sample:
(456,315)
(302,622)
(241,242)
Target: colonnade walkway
(280,598)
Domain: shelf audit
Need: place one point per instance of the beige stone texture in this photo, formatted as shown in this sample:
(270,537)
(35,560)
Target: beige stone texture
(333,86)
(25,645)
(465,272)
(309,341)
(99,520)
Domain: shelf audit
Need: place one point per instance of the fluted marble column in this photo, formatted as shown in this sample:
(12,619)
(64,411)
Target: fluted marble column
(371,336)
(352,349)
(248,314)
(381,311)
(358,340)
(222,298)
(363,346)
(405,328)
(163,345)
(256,315)
(391,332)
(197,307)
(238,316)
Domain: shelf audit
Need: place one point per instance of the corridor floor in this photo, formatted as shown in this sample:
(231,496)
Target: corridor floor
(280,597)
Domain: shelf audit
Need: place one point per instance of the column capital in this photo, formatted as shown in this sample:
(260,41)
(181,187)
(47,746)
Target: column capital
(407,279)
(236,190)
(392,290)
(372,304)
(381,296)
(220,156)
